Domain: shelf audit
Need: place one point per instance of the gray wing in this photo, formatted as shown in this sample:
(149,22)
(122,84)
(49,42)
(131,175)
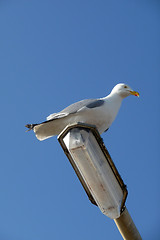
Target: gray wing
(76,107)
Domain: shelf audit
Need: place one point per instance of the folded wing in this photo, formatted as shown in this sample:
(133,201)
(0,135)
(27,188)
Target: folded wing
(76,107)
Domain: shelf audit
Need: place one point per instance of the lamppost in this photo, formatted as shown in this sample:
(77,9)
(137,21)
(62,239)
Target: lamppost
(98,175)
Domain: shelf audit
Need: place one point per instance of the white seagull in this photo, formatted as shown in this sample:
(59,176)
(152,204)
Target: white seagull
(99,112)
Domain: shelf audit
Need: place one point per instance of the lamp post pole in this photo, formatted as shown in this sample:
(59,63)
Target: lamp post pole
(98,175)
(126,226)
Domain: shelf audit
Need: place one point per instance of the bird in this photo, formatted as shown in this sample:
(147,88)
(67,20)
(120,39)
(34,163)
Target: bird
(100,112)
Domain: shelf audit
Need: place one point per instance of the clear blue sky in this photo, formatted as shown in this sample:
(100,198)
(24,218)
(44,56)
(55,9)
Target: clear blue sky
(54,53)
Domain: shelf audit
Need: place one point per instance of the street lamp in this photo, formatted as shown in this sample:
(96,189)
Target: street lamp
(96,171)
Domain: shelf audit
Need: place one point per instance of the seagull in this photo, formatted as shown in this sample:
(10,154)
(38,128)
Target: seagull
(100,112)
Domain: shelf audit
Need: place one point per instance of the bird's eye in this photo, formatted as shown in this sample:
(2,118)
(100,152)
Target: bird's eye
(125,86)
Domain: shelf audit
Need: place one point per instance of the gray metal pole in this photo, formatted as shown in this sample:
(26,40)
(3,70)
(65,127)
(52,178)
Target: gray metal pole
(127,227)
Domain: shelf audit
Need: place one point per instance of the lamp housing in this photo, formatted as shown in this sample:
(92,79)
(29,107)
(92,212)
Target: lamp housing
(94,167)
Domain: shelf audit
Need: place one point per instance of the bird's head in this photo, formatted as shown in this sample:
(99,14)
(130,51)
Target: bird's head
(124,90)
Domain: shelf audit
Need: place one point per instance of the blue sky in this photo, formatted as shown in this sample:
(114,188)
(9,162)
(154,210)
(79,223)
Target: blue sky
(54,53)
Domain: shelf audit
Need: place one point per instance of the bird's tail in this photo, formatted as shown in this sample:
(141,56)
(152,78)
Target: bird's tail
(30,126)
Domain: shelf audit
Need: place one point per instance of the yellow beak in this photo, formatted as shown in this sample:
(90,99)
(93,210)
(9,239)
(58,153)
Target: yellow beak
(134,93)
